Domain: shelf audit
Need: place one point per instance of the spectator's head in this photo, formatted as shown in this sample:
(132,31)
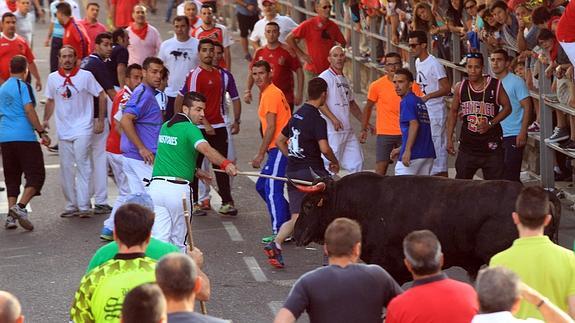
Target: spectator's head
(120,37)
(422,252)
(139,14)
(133,225)
(177,276)
(523,13)
(152,71)
(190,9)
(540,16)
(18,65)
(194,105)
(317,91)
(518,67)
(532,209)
(23,6)
(67,58)
(10,309)
(181,25)
(499,61)
(207,14)
(92,11)
(499,11)
(423,18)
(218,53)
(262,74)
(272,32)
(546,39)
(498,290)
(8,24)
(418,42)
(343,239)
(206,51)
(269,8)
(474,66)
(490,24)
(63,12)
(471,7)
(144,304)
(403,81)
(392,62)
(323,8)
(336,58)
(133,76)
(103,45)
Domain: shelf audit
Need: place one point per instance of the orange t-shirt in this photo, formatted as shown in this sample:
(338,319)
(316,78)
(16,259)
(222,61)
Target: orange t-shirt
(273,100)
(382,92)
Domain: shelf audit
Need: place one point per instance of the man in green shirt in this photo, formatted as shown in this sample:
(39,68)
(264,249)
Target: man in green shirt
(541,264)
(179,143)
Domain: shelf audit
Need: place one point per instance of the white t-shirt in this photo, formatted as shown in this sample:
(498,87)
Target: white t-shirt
(429,72)
(180,58)
(501,317)
(25,25)
(339,94)
(286,26)
(74,104)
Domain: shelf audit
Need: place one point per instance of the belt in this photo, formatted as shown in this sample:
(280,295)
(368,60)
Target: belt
(175,180)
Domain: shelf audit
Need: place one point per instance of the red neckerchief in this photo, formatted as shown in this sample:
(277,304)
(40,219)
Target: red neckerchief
(11,5)
(68,78)
(193,21)
(140,32)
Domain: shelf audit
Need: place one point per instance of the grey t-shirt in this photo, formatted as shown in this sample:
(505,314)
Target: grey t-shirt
(187,317)
(356,293)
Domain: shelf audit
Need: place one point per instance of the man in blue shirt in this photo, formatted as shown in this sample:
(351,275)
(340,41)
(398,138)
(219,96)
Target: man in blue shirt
(416,153)
(21,152)
(515,125)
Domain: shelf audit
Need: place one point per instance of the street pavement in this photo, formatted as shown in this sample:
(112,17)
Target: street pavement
(43,268)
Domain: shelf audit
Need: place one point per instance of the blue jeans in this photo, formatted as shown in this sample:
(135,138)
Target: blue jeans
(272,191)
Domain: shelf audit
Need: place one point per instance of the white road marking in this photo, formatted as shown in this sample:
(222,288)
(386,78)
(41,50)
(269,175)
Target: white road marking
(16,256)
(232,231)
(255,269)
(275,307)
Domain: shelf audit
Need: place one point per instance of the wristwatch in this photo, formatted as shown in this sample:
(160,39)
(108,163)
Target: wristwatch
(491,124)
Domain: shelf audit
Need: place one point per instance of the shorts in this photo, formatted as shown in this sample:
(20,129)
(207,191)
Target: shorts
(419,166)
(246,24)
(294,195)
(384,145)
(22,157)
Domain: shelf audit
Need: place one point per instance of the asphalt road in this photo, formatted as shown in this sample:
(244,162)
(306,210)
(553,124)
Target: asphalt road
(43,267)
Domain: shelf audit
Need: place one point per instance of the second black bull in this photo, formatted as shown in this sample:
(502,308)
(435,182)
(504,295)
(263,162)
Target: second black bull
(472,219)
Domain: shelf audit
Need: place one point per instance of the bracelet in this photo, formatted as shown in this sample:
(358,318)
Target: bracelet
(40,133)
(225,164)
(541,303)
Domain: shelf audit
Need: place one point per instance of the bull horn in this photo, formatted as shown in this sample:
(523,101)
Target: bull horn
(317,188)
(314,174)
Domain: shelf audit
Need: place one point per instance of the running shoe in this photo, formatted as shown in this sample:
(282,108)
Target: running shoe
(69,214)
(106,234)
(21,214)
(228,209)
(268,239)
(84,214)
(10,223)
(197,211)
(53,149)
(205,205)
(559,134)
(274,255)
(102,209)
(534,127)
(569,146)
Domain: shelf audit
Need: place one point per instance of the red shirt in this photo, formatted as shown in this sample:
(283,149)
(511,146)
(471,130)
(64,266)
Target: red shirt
(283,65)
(436,299)
(215,34)
(566,27)
(93,30)
(76,36)
(208,83)
(8,49)
(123,15)
(120,100)
(319,36)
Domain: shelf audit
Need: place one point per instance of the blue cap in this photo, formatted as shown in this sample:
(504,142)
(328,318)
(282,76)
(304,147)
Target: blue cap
(143,199)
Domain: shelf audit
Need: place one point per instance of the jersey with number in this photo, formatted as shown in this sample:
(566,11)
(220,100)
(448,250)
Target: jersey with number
(177,153)
(479,106)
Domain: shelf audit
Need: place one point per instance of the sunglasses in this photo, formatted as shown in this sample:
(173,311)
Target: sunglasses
(326,7)
(474,55)
(470,7)
(413,45)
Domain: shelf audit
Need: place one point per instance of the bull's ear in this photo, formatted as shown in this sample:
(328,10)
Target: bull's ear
(320,202)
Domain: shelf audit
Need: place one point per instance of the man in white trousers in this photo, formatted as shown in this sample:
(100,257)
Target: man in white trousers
(70,91)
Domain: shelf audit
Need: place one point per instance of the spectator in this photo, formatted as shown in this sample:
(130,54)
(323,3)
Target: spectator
(509,26)
(320,34)
(74,34)
(474,24)
(21,152)
(337,292)
(528,31)
(24,20)
(530,255)
(10,309)
(182,281)
(247,12)
(566,31)
(101,292)
(121,12)
(56,31)
(119,58)
(145,40)
(144,304)
(216,32)
(423,259)
(500,293)
(429,21)
(270,14)
(91,24)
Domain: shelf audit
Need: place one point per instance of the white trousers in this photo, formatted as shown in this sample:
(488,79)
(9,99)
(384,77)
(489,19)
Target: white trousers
(76,172)
(170,225)
(439,137)
(420,166)
(203,189)
(99,188)
(136,170)
(347,150)
(116,162)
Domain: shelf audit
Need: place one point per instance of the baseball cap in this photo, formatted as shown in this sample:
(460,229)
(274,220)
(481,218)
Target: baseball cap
(143,199)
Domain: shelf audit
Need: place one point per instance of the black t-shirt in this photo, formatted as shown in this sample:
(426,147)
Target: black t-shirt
(305,128)
(96,65)
(119,55)
(356,293)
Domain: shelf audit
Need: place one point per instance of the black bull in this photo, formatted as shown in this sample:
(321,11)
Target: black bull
(472,219)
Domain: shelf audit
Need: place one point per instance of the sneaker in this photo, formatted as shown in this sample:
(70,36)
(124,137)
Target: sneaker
(568,145)
(53,149)
(559,134)
(10,223)
(106,234)
(198,211)
(534,127)
(205,205)
(102,209)
(69,214)
(84,214)
(228,209)
(274,255)
(21,215)
(268,239)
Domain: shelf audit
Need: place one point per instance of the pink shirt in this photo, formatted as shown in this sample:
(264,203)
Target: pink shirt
(93,31)
(139,48)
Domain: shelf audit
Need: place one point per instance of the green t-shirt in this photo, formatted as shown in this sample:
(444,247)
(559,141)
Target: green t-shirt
(176,155)
(101,293)
(543,265)
(156,249)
